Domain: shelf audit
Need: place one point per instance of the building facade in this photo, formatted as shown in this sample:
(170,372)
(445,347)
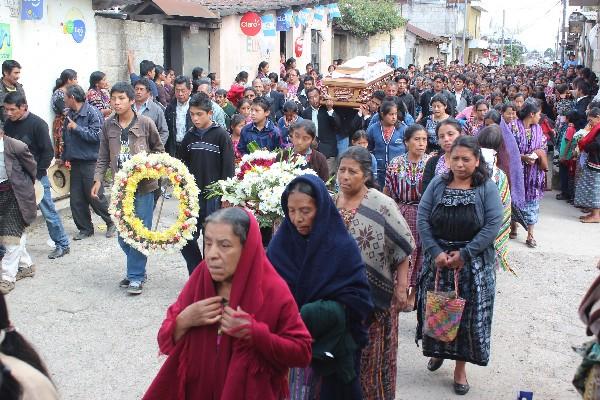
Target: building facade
(46,39)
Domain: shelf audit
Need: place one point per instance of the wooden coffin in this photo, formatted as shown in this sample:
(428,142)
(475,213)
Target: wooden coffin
(349,91)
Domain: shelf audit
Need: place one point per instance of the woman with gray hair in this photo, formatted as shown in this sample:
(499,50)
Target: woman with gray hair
(226,318)
(385,242)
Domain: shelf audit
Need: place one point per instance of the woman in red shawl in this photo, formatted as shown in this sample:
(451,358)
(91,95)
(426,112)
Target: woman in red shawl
(235,329)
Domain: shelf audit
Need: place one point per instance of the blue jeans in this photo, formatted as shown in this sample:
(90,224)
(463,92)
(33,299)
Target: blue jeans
(342,144)
(53,221)
(136,261)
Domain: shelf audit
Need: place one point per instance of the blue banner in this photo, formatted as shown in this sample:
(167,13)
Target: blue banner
(319,13)
(334,11)
(268,25)
(32,9)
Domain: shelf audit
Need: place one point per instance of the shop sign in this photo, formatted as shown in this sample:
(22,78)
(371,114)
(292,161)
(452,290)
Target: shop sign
(5,43)
(250,24)
(32,9)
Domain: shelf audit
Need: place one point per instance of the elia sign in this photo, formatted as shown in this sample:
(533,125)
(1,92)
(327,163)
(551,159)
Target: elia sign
(251,24)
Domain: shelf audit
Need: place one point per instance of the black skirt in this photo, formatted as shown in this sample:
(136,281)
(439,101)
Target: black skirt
(12,224)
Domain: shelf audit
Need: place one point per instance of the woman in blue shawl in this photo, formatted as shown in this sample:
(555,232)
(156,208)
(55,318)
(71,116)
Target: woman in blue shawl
(314,253)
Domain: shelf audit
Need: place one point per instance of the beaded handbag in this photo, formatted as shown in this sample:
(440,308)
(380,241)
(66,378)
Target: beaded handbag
(443,311)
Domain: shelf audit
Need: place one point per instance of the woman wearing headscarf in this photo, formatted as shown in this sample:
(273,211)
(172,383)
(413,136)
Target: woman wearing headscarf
(532,148)
(323,267)
(385,242)
(516,180)
(225,336)
(495,156)
(587,194)
(459,217)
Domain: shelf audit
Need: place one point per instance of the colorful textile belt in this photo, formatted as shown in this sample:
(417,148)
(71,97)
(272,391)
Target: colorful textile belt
(4,186)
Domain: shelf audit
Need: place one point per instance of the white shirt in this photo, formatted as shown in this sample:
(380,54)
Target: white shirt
(181,119)
(3,174)
(315,119)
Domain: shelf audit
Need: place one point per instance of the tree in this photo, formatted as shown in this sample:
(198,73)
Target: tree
(369,17)
(549,53)
(513,55)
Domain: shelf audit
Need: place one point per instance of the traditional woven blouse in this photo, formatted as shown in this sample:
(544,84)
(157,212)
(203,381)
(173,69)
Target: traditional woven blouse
(404,179)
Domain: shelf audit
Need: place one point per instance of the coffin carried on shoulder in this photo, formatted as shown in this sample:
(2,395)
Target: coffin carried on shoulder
(354,82)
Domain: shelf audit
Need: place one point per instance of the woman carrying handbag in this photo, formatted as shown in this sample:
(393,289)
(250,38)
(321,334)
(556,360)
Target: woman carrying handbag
(458,220)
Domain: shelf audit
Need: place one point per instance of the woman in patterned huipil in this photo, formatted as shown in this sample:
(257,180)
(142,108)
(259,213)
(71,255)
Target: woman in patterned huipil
(447,132)
(439,113)
(403,183)
(67,78)
(532,147)
(385,242)
(97,94)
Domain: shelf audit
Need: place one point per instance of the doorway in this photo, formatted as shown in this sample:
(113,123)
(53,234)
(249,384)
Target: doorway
(315,49)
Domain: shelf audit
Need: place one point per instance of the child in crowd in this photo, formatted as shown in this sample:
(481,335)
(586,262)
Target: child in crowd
(243,108)
(238,121)
(567,162)
(302,134)
(290,117)
(360,138)
(563,106)
(261,130)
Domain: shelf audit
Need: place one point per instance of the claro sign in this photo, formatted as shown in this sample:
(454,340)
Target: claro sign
(251,24)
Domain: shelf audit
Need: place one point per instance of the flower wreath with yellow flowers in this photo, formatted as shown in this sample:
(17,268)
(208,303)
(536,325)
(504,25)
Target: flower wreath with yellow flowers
(131,228)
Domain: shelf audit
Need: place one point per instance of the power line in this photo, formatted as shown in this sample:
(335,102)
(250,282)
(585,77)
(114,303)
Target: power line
(538,19)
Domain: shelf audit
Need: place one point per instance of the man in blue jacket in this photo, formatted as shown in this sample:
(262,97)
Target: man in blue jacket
(81,137)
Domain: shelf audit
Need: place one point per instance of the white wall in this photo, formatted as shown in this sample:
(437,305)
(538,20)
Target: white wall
(232,51)
(43,50)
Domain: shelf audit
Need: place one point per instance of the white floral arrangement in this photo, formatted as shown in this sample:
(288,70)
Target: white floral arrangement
(259,182)
(122,209)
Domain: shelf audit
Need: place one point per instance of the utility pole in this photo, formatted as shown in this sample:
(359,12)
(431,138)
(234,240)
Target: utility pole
(502,40)
(556,48)
(564,33)
(464,44)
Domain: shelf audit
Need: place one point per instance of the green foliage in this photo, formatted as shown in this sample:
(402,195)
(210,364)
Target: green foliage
(549,53)
(369,17)
(514,56)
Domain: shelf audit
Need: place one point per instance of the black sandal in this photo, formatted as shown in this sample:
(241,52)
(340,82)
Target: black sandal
(434,364)
(461,389)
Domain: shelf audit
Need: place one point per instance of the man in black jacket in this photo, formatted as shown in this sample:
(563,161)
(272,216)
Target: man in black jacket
(207,152)
(81,138)
(583,91)
(362,119)
(438,88)
(276,99)
(178,117)
(33,131)
(327,122)
(11,72)
(404,95)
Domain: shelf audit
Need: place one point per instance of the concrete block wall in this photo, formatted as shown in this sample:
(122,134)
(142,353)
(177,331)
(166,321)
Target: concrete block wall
(115,37)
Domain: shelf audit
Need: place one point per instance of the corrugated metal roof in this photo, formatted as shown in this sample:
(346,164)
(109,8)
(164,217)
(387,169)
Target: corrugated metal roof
(220,8)
(183,8)
(430,37)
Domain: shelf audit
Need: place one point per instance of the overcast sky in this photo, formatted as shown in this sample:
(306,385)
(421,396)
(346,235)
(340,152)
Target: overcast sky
(534,22)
